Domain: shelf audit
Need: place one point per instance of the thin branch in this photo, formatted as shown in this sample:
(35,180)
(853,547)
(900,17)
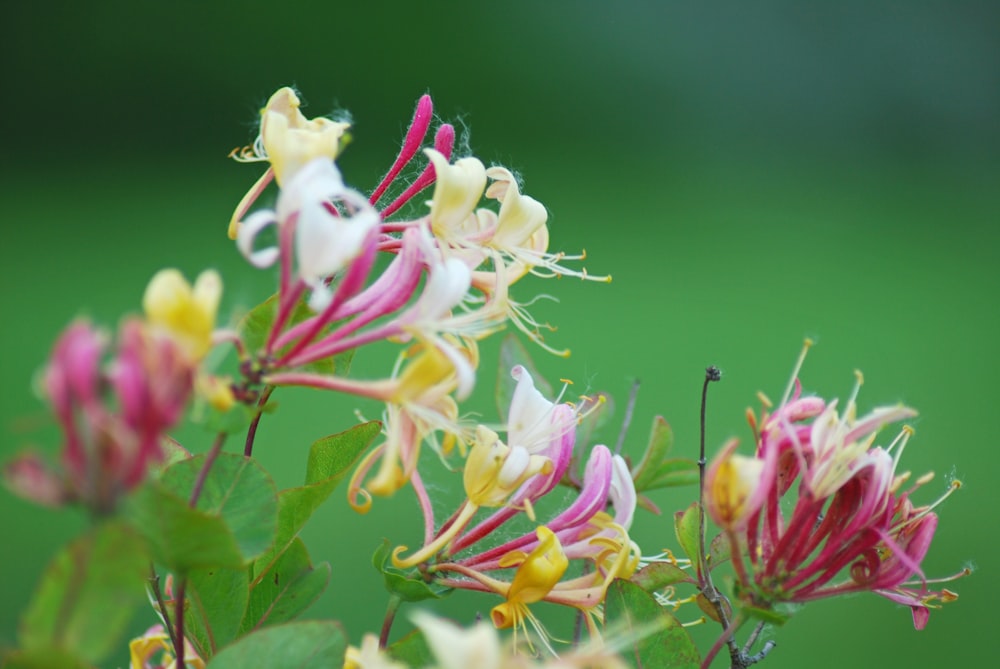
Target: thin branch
(210,458)
(390,616)
(629,409)
(179,621)
(154,584)
(252,430)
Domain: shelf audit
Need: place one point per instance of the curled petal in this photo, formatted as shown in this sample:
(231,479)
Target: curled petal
(457,191)
(247,233)
(290,140)
(622,494)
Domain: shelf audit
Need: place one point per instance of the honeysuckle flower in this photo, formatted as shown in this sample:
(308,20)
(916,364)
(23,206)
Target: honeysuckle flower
(113,415)
(419,403)
(481,647)
(288,141)
(493,470)
(513,477)
(331,225)
(622,495)
(457,190)
(369,656)
(537,573)
(153,650)
(457,648)
(850,528)
(185,312)
(735,487)
(291,141)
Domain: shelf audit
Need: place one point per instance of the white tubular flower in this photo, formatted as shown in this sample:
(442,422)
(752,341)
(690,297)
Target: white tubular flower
(622,493)
(457,648)
(331,222)
(530,421)
(325,241)
(520,218)
(457,191)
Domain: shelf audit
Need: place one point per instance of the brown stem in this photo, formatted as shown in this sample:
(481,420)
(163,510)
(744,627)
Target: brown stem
(708,589)
(210,458)
(154,584)
(390,616)
(179,622)
(252,430)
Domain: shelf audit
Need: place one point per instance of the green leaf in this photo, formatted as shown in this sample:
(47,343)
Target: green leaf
(301,645)
(719,551)
(656,470)
(256,326)
(405,586)
(686,528)
(216,601)
(331,459)
(767,615)
(513,352)
(179,537)
(412,650)
(287,589)
(655,638)
(172,452)
(237,490)
(87,596)
(658,575)
(234,421)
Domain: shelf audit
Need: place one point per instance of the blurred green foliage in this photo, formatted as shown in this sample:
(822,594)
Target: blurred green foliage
(749,174)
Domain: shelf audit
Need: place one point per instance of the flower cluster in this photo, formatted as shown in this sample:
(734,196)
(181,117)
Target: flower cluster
(446,287)
(115,414)
(478,646)
(512,478)
(850,509)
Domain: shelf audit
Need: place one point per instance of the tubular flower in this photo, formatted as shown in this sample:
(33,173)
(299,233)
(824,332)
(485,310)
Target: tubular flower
(537,574)
(113,415)
(493,470)
(288,141)
(155,643)
(330,223)
(479,646)
(851,528)
(419,404)
(541,436)
(185,313)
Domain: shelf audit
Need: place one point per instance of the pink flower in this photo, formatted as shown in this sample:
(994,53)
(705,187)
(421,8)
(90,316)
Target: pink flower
(113,416)
(819,510)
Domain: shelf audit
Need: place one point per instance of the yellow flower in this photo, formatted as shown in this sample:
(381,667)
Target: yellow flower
(185,313)
(155,641)
(733,487)
(494,470)
(537,574)
(291,140)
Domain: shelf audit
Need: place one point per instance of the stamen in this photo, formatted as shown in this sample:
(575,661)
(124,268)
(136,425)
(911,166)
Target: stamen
(807,344)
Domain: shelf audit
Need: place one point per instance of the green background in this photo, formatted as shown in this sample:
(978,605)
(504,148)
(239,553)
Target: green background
(751,174)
